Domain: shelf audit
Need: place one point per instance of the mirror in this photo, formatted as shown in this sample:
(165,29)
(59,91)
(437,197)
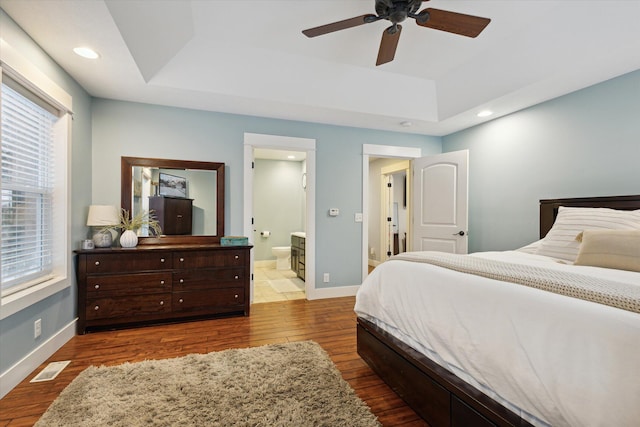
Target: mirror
(157,184)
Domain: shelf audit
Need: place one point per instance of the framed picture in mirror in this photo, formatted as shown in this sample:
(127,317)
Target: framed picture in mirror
(172,185)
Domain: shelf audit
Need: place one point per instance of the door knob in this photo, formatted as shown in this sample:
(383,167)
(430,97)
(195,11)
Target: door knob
(459,233)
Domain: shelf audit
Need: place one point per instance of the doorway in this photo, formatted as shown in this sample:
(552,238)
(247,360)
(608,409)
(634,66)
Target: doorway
(260,150)
(395,225)
(374,245)
(279,220)
(438,190)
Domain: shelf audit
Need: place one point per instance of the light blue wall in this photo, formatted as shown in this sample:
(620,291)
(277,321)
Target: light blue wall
(57,311)
(277,204)
(583,144)
(141,130)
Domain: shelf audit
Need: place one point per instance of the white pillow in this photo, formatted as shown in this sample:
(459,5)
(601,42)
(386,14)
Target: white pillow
(531,248)
(561,243)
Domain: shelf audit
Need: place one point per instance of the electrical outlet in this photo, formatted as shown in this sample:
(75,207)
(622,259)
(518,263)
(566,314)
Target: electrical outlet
(37,328)
(358,217)
(325,278)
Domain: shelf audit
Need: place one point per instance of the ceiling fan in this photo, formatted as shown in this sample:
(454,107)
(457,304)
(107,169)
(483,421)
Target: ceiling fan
(397,11)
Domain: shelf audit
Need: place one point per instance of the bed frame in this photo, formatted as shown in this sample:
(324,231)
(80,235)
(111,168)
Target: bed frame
(437,395)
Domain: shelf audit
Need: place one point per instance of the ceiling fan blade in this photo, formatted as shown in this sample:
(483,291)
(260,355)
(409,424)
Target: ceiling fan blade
(388,44)
(339,25)
(453,22)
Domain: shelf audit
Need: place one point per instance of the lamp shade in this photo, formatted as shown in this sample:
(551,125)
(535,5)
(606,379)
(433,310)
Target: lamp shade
(103,215)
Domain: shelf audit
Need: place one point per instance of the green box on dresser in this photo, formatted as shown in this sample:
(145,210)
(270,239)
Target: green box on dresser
(234,241)
(155,284)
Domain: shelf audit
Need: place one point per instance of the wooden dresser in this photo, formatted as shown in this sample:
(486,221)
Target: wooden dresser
(152,284)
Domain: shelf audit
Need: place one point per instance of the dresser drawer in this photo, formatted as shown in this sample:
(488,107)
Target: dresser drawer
(204,259)
(218,300)
(128,284)
(128,307)
(121,262)
(185,280)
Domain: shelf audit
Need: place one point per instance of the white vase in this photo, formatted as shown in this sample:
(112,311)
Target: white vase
(128,239)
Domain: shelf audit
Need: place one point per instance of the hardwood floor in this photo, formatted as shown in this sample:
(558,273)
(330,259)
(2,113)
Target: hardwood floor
(329,322)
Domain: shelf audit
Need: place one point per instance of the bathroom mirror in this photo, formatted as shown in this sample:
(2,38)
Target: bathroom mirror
(199,183)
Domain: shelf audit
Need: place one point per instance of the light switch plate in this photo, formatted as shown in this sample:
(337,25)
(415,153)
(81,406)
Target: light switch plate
(334,212)
(358,217)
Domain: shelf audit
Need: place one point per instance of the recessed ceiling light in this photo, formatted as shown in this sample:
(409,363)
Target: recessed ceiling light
(406,124)
(290,156)
(485,113)
(86,52)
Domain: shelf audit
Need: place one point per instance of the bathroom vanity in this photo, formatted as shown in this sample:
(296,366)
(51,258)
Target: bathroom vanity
(297,253)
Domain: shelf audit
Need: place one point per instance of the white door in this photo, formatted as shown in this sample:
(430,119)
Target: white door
(440,202)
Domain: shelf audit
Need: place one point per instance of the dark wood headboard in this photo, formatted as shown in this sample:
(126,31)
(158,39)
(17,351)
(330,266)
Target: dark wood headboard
(549,207)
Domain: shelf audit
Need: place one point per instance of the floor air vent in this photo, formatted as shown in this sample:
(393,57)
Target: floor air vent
(50,371)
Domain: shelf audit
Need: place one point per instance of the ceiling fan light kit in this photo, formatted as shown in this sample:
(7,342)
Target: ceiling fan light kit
(396,11)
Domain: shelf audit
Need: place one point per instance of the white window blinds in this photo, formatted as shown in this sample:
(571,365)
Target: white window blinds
(27,189)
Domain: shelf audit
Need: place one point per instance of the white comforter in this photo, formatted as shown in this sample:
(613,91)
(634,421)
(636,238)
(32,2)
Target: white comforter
(554,360)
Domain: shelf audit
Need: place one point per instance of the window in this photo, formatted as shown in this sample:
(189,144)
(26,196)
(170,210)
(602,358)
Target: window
(27,190)
(35,248)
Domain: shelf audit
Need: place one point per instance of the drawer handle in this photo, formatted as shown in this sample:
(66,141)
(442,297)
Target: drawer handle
(181,259)
(161,259)
(96,308)
(237,277)
(161,302)
(97,286)
(236,257)
(181,280)
(162,282)
(180,300)
(236,296)
(179,216)
(97,262)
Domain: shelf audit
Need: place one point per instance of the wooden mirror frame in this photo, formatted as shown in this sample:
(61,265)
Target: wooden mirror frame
(126,166)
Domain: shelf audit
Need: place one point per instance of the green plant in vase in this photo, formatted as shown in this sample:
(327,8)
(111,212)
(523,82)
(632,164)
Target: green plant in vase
(129,225)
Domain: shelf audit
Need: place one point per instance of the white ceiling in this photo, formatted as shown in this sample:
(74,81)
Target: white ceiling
(250,57)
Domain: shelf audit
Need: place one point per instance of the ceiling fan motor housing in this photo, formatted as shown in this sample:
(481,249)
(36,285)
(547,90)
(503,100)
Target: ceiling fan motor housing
(396,10)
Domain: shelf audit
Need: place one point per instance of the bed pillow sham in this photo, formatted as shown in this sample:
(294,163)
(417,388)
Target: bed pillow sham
(531,248)
(618,249)
(561,243)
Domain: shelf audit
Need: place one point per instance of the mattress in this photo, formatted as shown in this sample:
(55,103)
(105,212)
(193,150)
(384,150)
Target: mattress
(552,359)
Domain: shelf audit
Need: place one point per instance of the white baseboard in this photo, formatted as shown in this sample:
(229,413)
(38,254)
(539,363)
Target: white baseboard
(21,370)
(335,292)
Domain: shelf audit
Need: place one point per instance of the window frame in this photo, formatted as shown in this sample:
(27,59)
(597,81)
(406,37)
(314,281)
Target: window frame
(21,71)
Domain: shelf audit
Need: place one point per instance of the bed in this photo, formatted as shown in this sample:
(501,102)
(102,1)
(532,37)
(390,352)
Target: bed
(478,351)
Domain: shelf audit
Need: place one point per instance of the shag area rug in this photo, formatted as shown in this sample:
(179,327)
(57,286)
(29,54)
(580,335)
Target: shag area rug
(294,384)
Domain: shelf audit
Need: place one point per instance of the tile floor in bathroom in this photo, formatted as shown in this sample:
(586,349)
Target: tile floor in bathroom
(271,285)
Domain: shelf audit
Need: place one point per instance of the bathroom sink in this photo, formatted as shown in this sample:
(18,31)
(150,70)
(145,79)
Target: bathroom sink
(299,234)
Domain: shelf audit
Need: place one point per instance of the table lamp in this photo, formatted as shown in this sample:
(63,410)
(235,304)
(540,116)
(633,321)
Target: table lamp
(100,217)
